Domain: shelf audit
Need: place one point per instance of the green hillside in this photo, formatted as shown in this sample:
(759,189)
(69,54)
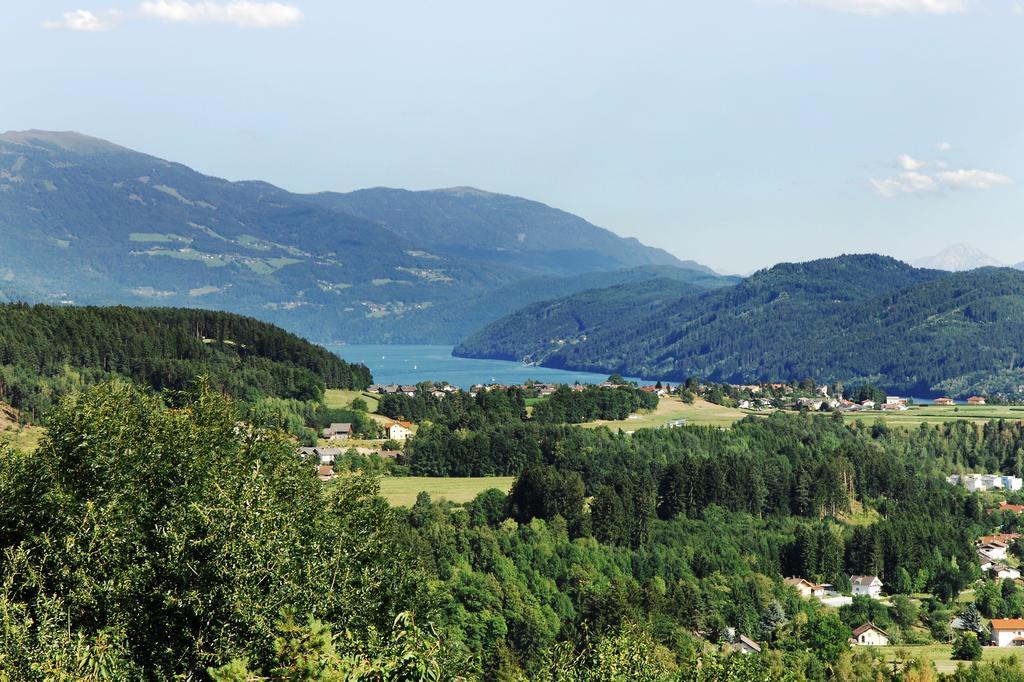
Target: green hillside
(851,319)
(46,351)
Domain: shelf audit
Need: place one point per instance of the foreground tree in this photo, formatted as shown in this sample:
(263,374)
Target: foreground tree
(172,540)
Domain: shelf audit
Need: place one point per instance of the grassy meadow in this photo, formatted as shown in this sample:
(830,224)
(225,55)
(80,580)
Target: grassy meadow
(673,409)
(940,654)
(938,414)
(401,491)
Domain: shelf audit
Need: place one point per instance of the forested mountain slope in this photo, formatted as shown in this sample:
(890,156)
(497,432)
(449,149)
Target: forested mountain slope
(852,319)
(45,351)
(479,225)
(86,221)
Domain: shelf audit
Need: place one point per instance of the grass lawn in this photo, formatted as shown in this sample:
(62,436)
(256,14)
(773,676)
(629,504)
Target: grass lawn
(336,397)
(401,491)
(940,654)
(671,409)
(22,437)
(939,414)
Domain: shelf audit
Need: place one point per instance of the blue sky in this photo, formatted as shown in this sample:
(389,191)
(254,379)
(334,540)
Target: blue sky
(738,133)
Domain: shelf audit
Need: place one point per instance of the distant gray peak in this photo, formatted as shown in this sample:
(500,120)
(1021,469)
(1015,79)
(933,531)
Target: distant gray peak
(958,258)
(68,140)
(463,191)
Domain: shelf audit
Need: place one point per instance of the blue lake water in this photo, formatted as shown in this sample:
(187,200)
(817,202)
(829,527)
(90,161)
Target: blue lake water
(412,364)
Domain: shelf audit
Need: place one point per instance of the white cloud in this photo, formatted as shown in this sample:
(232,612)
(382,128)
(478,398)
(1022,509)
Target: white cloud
(911,180)
(971,179)
(239,12)
(79,20)
(944,146)
(882,7)
(907,182)
(909,163)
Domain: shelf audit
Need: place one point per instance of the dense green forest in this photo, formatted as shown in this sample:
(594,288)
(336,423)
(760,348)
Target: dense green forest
(565,406)
(153,537)
(854,319)
(46,351)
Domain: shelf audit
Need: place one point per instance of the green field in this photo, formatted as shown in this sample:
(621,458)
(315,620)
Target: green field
(672,409)
(940,654)
(928,414)
(21,437)
(401,491)
(336,397)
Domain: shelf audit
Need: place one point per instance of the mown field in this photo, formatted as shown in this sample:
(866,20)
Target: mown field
(336,397)
(672,409)
(940,654)
(401,491)
(937,414)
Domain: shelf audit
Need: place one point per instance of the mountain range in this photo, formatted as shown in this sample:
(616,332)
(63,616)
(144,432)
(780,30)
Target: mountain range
(83,220)
(855,319)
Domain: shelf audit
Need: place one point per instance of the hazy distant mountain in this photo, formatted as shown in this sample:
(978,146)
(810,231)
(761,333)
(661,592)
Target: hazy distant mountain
(958,258)
(854,319)
(469,223)
(87,221)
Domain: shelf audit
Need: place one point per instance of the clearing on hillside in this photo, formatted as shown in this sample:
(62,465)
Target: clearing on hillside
(401,491)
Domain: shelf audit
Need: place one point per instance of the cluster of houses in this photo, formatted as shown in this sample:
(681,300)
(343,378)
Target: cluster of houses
(393,430)
(536,387)
(992,552)
(980,483)
(326,457)
(870,586)
(392,389)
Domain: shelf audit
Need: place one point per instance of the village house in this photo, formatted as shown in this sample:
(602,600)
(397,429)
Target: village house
(866,585)
(948,402)
(868,404)
(805,587)
(869,634)
(1007,632)
(1003,572)
(328,456)
(975,400)
(339,431)
(374,388)
(1007,507)
(323,456)
(994,550)
(745,645)
(325,473)
(398,430)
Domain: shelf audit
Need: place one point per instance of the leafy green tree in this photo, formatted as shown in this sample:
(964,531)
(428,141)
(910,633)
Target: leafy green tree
(904,610)
(180,535)
(967,647)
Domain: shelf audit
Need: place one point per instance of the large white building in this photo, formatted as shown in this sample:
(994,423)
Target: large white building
(866,585)
(1008,632)
(979,483)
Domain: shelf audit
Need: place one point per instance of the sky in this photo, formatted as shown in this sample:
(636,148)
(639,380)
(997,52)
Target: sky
(738,133)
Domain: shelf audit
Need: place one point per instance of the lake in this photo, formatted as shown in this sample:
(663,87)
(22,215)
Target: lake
(413,364)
